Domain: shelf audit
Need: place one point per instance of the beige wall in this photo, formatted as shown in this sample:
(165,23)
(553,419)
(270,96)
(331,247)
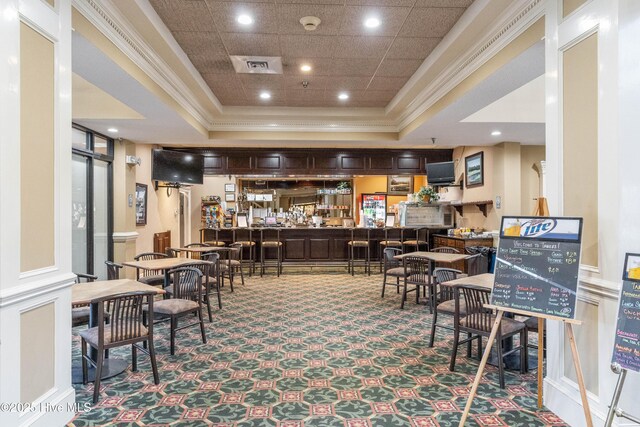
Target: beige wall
(506,175)
(124,220)
(37,352)
(530,158)
(162,210)
(37,193)
(580,141)
(569,6)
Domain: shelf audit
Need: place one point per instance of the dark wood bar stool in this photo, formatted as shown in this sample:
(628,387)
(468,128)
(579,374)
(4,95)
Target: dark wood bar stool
(270,239)
(244,236)
(421,241)
(360,239)
(392,239)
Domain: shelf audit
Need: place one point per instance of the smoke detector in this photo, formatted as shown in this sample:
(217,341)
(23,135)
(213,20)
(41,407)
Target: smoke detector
(310,23)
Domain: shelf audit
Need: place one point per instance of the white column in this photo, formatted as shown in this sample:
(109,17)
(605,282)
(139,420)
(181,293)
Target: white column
(35,294)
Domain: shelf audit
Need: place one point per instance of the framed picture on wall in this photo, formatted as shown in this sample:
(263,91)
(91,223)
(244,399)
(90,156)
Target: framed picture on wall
(399,185)
(230,188)
(474,170)
(141,204)
(230,197)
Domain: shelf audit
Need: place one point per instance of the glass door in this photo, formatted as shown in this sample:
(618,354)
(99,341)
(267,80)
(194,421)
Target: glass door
(79,246)
(92,202)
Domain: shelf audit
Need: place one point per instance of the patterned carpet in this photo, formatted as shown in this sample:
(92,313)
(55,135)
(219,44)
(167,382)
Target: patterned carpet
(309,350)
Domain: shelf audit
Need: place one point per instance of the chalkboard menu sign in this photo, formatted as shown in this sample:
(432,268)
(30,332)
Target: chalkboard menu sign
(537,265)
(626,350)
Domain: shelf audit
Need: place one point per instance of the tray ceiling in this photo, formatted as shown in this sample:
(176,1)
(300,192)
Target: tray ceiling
(370,64)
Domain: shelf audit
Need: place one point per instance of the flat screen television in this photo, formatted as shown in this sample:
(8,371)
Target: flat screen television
(177,167)
(440,173)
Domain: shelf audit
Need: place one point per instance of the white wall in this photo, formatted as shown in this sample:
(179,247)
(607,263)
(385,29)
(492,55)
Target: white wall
(618,205)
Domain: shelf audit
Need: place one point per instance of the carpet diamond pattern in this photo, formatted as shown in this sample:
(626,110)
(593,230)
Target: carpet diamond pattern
(307,350)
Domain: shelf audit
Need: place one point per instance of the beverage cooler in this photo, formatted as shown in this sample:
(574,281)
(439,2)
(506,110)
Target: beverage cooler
(374,207)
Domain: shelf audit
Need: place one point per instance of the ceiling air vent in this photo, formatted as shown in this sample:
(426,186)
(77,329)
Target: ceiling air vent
(257,64)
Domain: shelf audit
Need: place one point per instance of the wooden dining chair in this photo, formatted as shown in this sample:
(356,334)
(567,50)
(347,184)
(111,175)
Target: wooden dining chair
(446,304)
(80,312)
(479,322)
(416,272)
(208,280)
(215,275)
(125,327)
(392,268)
(233,264)
(445,250)
(113,270)
(186,299)
(150,277)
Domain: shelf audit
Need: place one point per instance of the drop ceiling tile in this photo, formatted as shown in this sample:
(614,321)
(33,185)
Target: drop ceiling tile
(223,83)
(265,17)
(387,83)
(308,96)
(319,66)
(443,3)
(353,67)
(378,96)
(391,19)
(389,3)
(348,83)
(412,47)
(271,82)
(289,18)
(340,2)
(302,46)
(319,102)
(430,22)
(331,96)
(214,64)
(362,47)
(251,44)
(278,97)
(184,16)
(314,82)
(398,67)
(199,41)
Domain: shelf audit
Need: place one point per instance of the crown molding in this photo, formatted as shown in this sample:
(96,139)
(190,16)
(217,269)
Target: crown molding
(118,30)
(512,22)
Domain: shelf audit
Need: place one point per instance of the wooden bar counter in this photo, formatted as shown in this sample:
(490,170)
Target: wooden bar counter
(314,246)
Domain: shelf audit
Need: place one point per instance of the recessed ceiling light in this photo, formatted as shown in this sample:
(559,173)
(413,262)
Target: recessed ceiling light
(496,133)
(343,96)
(305,67)
(372,22)
(112,130)
(265,95)
(245,20)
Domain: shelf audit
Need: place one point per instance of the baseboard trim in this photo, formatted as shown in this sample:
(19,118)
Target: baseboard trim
(564,401)
(66,400)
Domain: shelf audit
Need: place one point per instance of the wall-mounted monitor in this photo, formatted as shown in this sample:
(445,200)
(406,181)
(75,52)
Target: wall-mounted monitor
(177,167)
(441,173)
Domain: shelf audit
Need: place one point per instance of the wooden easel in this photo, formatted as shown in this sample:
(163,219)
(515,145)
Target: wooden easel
(542,209)
(568,323)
